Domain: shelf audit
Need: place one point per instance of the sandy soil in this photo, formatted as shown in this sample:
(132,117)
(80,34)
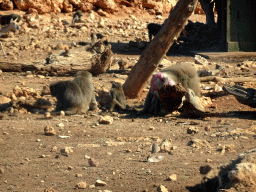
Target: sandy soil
(28,162)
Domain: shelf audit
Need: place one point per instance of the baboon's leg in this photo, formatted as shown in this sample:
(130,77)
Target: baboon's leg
(93,104)
(148,102)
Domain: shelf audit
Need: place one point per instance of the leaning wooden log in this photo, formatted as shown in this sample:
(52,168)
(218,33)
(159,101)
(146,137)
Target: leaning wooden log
(94,58)
(227,80)
(159,46)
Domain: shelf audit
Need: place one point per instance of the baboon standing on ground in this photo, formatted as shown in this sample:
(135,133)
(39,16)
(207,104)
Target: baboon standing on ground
(118,97)
(75,96)
(185,74)
(77,16)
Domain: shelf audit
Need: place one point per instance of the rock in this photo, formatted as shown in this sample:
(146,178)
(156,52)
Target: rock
(155,148)
(100,183)
(81,185)
(54,149)
(93,163)
(173,177)
(78,175)
(66,151)
(155,158)
(192,130)
(166,146)
(49,190)
(205,169)
(70,167)
(162,188)
(47,115)
(7,5)
(106,119)
(1,170)
(200,60)
(208,128)
(49,131)
(240,173)
(4,99)
(107,5)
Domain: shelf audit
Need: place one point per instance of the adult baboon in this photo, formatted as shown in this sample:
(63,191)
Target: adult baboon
(185,74)
(75,96)
(118,97)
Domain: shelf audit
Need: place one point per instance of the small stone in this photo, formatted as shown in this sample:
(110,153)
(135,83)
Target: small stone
(162,188)
(100,183)
(5,133)
(78,175)
(1,170)
(42,156)
(106,119)
(54,149)
(61,125)
(70,168)
(66,150)
(47,115)
(151,128)
(173,177)
(92,186)
(49,131)
(192,130)
(92,162)
(208,128)
(166,146)
(81,185)
(155,148)
(87,157)
(205,169)
(208,160)
(38,140)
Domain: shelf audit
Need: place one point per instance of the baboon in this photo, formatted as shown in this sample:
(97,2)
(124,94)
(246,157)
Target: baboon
(118,97)
(75,96)
(6,19)
(185,74)
(77,16)
(153,29)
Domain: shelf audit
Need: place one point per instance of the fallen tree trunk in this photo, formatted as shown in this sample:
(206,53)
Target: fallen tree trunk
(154,52)
(227,80)
(94,58)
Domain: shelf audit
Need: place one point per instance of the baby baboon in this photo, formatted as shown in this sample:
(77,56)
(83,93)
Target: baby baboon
(185,74)
(77,16)
(6,19)
(75,96)
(153,29)
(118,97)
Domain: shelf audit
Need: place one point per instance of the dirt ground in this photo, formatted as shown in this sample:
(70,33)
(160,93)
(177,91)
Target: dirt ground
(28,162)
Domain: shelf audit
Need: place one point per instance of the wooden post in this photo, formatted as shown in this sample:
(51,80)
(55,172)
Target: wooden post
(154,52)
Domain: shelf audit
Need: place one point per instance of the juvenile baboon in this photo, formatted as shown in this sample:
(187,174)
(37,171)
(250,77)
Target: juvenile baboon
(185,74)
(75,96)
(118,97)
(6,19)
(77,16)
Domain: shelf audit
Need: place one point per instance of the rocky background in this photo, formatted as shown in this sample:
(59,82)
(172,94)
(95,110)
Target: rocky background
(106,6)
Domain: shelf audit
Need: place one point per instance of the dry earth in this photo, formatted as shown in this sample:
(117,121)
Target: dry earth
(29,161)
